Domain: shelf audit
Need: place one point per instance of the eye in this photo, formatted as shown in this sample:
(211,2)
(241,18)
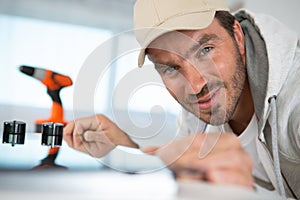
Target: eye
(166,70)
(205,51)
(170,69)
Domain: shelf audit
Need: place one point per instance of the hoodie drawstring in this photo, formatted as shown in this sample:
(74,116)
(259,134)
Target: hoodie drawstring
(275,152)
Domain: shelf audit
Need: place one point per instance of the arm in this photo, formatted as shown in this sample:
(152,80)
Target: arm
(96,135)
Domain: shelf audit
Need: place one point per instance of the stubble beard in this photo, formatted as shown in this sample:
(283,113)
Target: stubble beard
(219,114)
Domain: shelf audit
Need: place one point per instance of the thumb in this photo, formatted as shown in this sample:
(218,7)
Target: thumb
(96,136)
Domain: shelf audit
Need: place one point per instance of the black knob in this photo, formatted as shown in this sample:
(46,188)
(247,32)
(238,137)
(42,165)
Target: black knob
(14,132)
(52,134)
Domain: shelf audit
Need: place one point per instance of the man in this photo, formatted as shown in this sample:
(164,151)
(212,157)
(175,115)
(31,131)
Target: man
(238,75)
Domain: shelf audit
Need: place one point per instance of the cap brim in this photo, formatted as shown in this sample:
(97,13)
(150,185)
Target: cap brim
(191,21)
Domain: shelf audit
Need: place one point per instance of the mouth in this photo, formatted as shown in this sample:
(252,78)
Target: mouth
(205,103)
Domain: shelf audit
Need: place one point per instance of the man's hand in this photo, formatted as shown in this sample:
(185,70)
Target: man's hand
(213,157)
(96,135)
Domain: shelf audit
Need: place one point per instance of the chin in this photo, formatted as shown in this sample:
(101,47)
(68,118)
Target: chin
(215,119)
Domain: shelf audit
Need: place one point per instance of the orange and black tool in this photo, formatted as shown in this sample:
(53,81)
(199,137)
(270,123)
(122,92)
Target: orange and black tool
(54,82)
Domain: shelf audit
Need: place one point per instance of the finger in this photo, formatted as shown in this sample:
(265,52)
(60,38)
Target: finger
(239,162)
(216,142)
(77,140)
(208,144)
(189,174)
(230,177)
(68,133)
(150,150)
(96,136)
(88,123)
(169,153)
(232,159)
(68,129)
(80,127)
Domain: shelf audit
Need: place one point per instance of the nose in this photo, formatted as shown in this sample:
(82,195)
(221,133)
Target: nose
(195,81)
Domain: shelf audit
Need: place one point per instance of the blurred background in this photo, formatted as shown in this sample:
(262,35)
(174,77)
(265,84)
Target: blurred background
(60,35)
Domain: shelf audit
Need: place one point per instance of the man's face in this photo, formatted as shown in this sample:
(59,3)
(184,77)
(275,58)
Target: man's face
(203,70)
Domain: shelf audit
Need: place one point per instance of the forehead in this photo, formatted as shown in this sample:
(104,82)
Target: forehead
(179,41)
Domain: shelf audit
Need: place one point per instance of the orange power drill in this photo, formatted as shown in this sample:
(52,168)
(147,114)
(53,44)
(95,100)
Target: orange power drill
(54,83)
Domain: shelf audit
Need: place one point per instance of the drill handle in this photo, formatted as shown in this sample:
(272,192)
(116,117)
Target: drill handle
(54,94)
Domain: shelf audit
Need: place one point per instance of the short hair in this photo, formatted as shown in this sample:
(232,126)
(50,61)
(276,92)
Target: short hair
(226,20)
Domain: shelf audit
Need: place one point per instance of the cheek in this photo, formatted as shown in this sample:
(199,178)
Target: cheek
(175,88)
(225,66)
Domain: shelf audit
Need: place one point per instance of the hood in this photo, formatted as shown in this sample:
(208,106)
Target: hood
(270,51)
(273,47)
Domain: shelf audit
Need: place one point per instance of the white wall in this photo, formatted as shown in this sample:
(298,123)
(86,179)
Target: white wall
(287,11)
(117,14)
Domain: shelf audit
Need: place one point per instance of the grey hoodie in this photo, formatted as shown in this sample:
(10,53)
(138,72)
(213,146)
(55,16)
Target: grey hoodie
(273,68)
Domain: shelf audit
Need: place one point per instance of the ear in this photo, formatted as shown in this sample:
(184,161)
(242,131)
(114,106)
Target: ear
(239,37)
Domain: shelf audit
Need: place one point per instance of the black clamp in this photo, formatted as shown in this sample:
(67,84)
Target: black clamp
(52,134)
(14,132)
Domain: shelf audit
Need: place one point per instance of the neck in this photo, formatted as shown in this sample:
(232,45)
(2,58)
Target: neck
(243,112)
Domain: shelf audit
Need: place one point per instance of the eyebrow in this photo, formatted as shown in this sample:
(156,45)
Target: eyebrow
(204,39)
(161,66)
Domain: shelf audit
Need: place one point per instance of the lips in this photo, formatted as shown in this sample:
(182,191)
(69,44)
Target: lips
(205,98)
(205,103)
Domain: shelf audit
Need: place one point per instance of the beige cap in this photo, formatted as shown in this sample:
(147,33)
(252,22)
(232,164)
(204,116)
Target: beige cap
(152,18)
